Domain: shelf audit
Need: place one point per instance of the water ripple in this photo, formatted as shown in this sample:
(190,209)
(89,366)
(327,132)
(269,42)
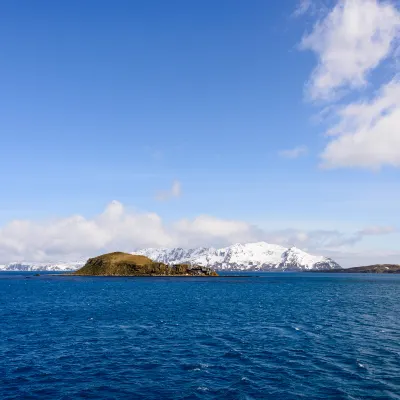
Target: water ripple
(281,336)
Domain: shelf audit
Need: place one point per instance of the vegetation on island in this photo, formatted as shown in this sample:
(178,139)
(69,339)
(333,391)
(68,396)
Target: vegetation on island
(125,264)
(370,269)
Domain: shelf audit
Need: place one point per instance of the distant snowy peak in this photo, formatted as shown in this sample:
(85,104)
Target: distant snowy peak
(34,266)
(295,258)
(259,256)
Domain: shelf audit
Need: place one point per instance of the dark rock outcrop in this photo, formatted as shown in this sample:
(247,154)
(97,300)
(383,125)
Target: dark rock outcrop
(124,264)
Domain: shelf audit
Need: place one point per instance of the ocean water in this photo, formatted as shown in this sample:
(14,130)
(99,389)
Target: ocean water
(275,336)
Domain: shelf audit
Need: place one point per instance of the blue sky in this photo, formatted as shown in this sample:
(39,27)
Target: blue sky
(106,101)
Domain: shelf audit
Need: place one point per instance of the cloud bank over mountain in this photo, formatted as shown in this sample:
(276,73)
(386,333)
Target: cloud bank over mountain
(123,229)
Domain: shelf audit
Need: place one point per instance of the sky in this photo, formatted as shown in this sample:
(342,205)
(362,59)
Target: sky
(199,123)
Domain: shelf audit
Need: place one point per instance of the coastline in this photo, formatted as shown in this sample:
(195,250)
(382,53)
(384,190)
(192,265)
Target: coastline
(155,276)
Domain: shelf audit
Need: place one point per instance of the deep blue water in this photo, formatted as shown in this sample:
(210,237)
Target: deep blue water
(279,336)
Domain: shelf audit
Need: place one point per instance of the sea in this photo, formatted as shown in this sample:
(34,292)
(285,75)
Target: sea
(257,336)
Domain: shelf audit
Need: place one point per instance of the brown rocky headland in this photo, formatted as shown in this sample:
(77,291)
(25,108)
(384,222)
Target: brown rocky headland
(125,264)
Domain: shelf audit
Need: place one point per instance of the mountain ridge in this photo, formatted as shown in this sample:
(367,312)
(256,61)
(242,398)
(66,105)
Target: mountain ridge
(58,266)
(259,256)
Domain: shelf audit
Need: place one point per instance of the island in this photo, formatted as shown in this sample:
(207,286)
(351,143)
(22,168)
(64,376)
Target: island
(125,264)
(369,269)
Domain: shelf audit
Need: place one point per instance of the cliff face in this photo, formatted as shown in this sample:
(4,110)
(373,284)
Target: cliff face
(124,264)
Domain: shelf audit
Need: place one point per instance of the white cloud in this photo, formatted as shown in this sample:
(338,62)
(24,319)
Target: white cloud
(215,231)
(349,42)
(368,133)
(76,236)
(294,153)
(119,229)
(174,191)
(116,229)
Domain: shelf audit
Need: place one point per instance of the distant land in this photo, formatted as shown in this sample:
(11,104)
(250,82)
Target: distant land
(259,256)
(125,264)
(369,269)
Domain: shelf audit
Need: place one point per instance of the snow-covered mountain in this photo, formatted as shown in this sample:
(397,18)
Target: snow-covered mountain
(259,256)
(33,266)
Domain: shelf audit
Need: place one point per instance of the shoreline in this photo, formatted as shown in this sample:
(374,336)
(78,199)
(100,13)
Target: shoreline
(153,276)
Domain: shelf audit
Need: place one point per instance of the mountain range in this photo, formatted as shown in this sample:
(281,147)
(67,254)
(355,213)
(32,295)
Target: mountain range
(259,256)
(34,266)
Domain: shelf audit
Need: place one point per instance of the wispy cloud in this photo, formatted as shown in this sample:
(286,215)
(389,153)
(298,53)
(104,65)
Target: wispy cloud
(311,8)
(323,240)
(350,41)
(173,192)
(377,230)
(353,39)
(367,134)
(295,152)
(302,8)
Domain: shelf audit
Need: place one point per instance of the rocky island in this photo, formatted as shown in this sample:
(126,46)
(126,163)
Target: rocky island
(370,269)
(125,264)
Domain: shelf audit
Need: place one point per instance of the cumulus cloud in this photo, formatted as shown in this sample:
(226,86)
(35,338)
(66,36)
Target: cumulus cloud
(295,152)
(115,229)
(76,236)
(174,191)
(352,40)
(215,231)
(121,229)
(367,133)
